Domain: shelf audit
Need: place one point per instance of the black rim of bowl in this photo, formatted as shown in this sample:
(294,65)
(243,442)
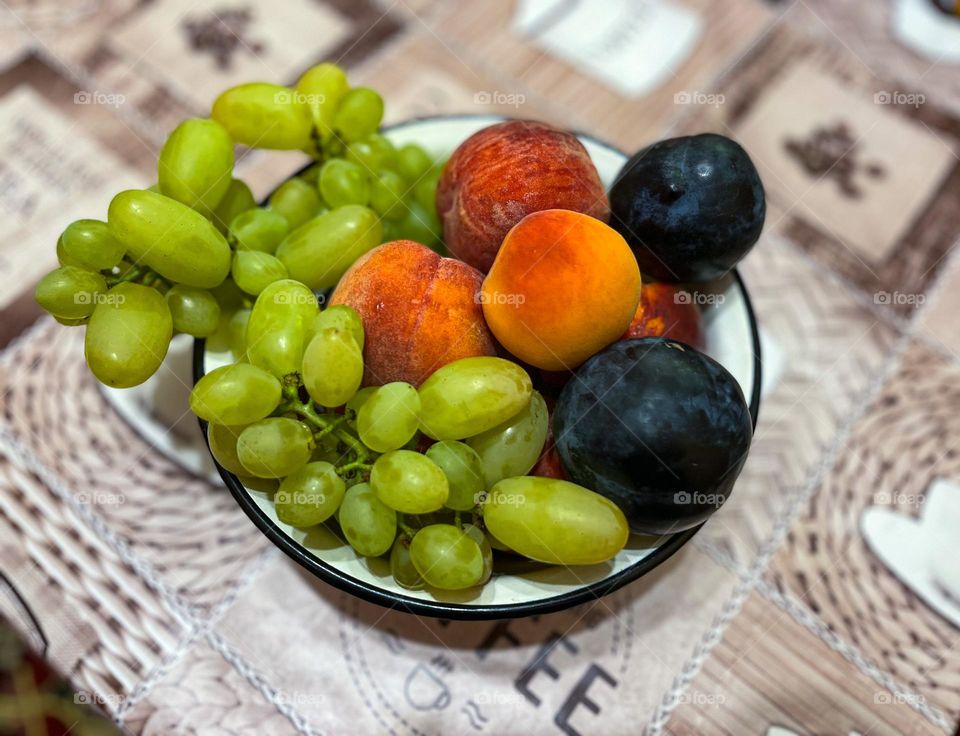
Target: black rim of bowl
(458,611)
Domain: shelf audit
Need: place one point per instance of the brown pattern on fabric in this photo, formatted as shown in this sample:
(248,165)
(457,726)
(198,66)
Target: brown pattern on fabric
(105,628)
(907,439)
(204,694)
(192,532)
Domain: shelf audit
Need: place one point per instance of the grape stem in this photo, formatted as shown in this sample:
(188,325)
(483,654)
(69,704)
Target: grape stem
(324,424)
(139,275)
(404,527)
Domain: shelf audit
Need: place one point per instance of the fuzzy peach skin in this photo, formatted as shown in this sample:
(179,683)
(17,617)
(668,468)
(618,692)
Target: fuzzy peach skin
(563,286)
(420,311)
(504,172)
(667,310)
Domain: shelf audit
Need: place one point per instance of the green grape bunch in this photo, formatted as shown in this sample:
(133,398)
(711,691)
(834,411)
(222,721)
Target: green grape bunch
(200,243)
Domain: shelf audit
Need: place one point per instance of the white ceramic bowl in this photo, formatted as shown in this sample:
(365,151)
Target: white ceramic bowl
(731,339)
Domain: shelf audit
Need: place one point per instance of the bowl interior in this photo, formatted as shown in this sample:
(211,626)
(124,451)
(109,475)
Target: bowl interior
(731,339)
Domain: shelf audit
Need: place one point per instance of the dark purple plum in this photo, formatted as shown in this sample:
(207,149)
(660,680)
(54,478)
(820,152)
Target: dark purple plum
(690,208)
(659,428)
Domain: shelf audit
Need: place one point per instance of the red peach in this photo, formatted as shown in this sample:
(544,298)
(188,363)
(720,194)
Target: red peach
(420,311)
(501,174)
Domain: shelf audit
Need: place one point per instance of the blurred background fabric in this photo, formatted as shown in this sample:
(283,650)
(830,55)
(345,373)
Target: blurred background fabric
(817,601)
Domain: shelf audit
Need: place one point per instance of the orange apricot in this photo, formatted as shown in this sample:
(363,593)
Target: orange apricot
(563,286)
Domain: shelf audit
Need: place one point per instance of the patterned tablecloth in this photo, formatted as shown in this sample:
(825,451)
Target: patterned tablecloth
(164,606)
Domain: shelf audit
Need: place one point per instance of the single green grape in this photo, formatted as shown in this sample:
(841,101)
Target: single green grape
(464,471)
(343,182)
(401,566)
(278,328)
(477,535)
(235,394)
(332,367)
(223,446)
(194,311)
(262,115)
(275,447)
(70,293)
(238,198)
(359,114)
(425,191)
(391,231)
(471,395)
(388,418)
(420,225)
(88,243)
(309,496)
(297,201)
(386,196)
(237,333)
(229,296)
(409,482)
(319,252)
(368,524)
(219,340)
(373,153)
(253,270)
(128,335)
(446,557)
(383,150)
(413,162)
(196,164)
(342,317)
(513,447)
(555,521)
(175,241)
(323,86)
(258,229)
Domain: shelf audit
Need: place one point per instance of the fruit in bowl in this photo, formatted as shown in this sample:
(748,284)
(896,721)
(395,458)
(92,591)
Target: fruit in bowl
(550,260)
(363,388)
(504,172)
(689,207)
(419,311)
